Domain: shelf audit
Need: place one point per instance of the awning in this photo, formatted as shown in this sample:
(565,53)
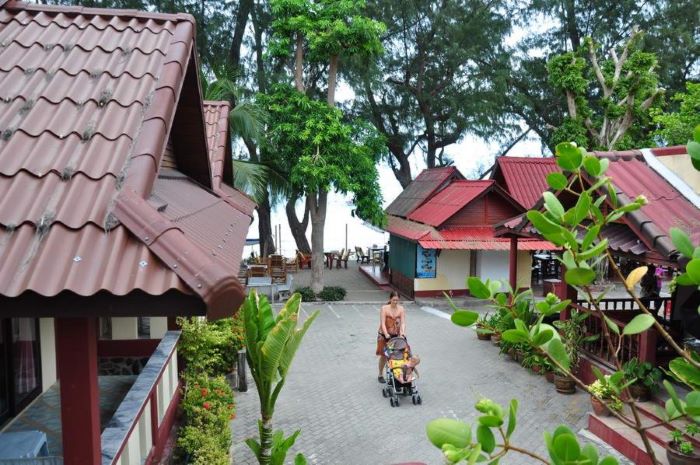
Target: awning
(487,244)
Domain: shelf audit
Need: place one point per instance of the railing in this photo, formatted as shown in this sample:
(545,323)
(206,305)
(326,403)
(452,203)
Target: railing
(660,306)
(139,427)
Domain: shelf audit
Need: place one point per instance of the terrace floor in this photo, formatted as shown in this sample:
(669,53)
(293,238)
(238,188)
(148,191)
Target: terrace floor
(44,413)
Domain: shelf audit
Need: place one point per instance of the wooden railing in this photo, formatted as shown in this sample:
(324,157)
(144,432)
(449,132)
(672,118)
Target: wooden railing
(138,430)
(659,306)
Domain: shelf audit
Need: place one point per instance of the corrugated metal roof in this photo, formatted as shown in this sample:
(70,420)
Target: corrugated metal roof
(87,98)
(485,244)
(426,184)
(449,201)
(525,177)
(407,229)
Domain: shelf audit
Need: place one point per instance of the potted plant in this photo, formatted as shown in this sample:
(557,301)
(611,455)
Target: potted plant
(573,335)
(548,369)
(679,450)
(497,324)
(483,333)
(603,397)
(644,377)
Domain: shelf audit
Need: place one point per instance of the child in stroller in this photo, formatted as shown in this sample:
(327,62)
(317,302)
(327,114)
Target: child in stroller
(400,372)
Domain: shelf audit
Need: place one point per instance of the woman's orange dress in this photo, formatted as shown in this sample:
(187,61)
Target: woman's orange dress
(393,327)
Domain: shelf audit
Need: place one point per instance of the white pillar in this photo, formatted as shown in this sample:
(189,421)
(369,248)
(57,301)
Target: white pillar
(125,328)
(47,335)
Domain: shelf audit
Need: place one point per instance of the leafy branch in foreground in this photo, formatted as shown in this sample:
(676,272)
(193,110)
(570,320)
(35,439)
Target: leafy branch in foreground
(577,230)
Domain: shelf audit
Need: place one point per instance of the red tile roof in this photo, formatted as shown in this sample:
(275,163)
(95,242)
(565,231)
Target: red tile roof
(426,184)
(87,100)
(449,201)
(524,178)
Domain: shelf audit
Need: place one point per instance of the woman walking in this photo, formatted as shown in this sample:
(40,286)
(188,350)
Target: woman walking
(392,323)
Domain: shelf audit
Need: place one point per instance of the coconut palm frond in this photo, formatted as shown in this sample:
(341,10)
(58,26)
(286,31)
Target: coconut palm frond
(251,178)
(247,120)
(222,89)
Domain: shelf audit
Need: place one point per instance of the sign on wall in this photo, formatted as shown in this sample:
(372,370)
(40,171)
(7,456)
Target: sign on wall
(426,262)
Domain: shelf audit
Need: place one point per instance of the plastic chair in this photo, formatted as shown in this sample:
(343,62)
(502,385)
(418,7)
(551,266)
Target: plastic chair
(343,258)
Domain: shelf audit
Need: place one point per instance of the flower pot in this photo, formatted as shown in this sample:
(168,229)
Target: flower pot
(564,384)
(519,356)
(496,338)
(512,353)
(599,407)
(676,458)
(483,336)
(639,392)
(549,376)
(536,369)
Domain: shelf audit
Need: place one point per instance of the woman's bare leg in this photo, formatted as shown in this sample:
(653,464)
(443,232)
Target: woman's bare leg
(382,363)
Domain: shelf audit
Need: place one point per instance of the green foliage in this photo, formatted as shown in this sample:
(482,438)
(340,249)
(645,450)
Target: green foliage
(307,294)
(676,127)
(494,428)
(321,151)
(602,389)
(271,342)
(208,408)
(642,373)
(609,102)
(332,293)
(679,440)
(210,347)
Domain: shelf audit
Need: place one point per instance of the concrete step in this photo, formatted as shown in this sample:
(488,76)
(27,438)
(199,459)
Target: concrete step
(625,440)
(652,413)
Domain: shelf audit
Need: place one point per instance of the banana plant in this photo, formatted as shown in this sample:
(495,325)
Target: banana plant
(271,342)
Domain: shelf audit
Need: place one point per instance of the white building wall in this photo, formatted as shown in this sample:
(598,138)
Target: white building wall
(47,342)
(683,168)
(493,265)
(125,328)
(159,326)
(451,273)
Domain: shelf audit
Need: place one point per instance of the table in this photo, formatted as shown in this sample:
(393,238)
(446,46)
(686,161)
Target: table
(23,445)
(263,282)
(376,256)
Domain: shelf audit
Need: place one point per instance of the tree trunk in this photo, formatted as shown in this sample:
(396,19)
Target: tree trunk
(299,227)
(332,77)
(244,8)
(267,243)
(571,28)
(265,442)
(299,63)
(319,201)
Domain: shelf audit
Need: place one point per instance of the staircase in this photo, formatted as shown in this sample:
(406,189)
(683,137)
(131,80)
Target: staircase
(627,441)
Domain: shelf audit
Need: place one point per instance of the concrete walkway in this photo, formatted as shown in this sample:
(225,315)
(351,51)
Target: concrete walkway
(359,288)
(333,396)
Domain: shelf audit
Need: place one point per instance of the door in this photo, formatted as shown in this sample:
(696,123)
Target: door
(4,372)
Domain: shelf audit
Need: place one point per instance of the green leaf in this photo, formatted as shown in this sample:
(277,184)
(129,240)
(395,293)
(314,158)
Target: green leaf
(612,325)
(486,438)
(693,148)
(604,164)
(557,351)
(569,157)
(682,242)
(692,403)
(477,288)
(556,181)
(448,431)
(583,204)
(639,323)
(609,460)
(490,420)
(685,372)
(612,194)
(693,269)
(675,401)
(552,204)
(566,447)
(299,459)
(598,374)
(592,165)
(579,276)
(542,337)
(541,223)
(515,336)
(589,451)
(696,133)
(464,317)
(594,251)
(512,412)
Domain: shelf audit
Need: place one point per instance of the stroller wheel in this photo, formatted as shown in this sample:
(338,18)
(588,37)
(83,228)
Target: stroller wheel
(384,393)
(391,401)
(396,402)
(413,399)
(419,400)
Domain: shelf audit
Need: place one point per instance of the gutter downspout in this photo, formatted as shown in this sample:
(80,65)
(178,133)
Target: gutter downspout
(675,180)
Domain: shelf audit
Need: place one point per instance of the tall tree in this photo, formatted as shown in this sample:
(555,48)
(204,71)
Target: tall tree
(608,102)
(676,127)
(327,152)
(438,79)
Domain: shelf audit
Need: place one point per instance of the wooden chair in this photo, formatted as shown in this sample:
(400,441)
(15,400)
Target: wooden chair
(257,271)
(243,275)
(303,259)
(277,270)
(343,258)
(291,265)
(361,256)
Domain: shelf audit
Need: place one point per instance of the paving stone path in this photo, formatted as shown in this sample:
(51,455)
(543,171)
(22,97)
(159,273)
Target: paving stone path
(332,393)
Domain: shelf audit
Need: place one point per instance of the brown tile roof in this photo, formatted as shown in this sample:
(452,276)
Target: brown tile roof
(427,183)
(524,178)
(443,205)
(87,100)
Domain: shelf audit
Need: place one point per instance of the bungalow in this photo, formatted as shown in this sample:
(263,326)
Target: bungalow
(442,229)
(114,219)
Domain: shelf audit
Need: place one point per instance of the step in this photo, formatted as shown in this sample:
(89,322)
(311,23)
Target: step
(650,413)
(625,440)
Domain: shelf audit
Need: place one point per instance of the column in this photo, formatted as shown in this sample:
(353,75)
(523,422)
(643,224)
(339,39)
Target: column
(513,263)
(76,356)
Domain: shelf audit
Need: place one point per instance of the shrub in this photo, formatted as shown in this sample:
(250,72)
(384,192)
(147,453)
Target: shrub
(332,293)
(208,407)
(307,294)
(211,347)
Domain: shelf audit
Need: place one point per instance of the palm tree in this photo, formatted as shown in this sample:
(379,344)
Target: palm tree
(271,343)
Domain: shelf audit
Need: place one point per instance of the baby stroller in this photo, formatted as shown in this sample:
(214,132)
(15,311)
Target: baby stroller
(397,353)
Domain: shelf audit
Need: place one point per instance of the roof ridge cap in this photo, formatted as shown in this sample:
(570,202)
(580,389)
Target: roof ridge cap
(95,11)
